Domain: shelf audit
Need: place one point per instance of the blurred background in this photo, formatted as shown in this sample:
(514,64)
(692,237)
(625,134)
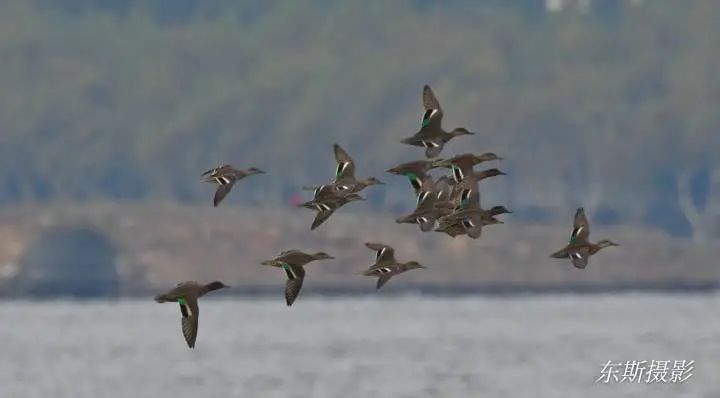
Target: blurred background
(111,109)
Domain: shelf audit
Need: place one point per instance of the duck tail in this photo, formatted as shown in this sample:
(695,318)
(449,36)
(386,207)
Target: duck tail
(559,254)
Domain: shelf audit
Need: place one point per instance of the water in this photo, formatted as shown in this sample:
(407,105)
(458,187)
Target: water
(533,346)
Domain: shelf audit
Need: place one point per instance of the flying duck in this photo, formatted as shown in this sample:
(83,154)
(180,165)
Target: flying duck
(225,177)
(293,262)
(187,294)
(431,134)
(386,266)
(579,249)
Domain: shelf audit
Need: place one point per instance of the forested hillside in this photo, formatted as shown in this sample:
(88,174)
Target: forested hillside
(616,109)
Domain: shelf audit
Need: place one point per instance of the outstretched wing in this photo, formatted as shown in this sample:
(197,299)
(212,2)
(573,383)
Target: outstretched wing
(385,254)
(345,164)
(295,276)
(579,257)
(222,192)
(190,315)
(382,279)
(433,112)
(581,227)
(321,217)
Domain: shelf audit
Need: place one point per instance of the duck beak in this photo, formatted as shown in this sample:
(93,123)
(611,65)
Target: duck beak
(423,267)
(267,262)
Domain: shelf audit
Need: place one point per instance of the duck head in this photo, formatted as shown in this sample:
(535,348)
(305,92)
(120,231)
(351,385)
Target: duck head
(373,181)
(486,157)
(490,173)
(413,265)
(461,131)
(215,286)
(496,210)
(322,256)
(606,243)
(254,170)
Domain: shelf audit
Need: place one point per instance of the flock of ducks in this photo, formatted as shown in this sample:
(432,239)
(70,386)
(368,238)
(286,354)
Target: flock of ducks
(449,204)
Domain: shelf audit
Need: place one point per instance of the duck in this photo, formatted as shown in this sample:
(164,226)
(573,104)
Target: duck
(470,221)
(187,294)
(579,249)
(462,165)
(385,266)
(225,177)
(458,193)
(431,134)
(416,172)
(327,206)
(481,175)
(425,213)
(293,262)
(345,182)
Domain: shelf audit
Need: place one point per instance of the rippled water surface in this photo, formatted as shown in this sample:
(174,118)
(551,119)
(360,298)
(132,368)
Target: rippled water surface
(529,346)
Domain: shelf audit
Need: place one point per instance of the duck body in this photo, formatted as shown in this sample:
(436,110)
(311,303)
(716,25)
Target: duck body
(225,177)
(325,207)
(293,262)
(416,172)
(579,248)
(426,212)
(385,266)
(187,295)
(432,136)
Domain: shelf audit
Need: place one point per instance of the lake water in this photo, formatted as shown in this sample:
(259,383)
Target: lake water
(527,346)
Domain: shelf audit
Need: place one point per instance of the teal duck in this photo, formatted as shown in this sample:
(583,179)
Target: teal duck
(416,172)
(579,249)
(431,135)
(462,165)
(293,263)
(187,294)
(483,174)
(470,221)
(386,266)
(345,182)
(425,213)
(225,177)
(327,206)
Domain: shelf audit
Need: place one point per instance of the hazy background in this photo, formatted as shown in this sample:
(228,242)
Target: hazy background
(111,110)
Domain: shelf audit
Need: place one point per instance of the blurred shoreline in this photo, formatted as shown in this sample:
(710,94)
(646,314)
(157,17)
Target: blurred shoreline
(131,250)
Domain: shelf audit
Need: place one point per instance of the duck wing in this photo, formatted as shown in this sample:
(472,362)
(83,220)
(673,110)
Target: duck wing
(345,164)
(295,277)
(222,191)
(384,256)
(382,280)
(433,112)
(190,315)
(581,227)
(579,257)
(322,216)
